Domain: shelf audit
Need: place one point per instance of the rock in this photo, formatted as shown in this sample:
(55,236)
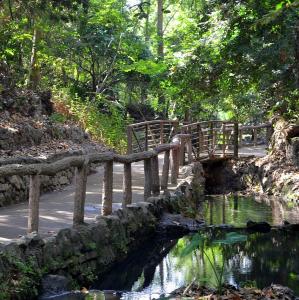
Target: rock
(258,226)
(177,225)
(276,291)
(54,284)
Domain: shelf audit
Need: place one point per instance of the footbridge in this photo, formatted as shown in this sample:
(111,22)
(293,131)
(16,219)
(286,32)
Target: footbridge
(156,150)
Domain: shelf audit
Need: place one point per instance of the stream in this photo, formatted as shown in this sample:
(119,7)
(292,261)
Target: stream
(159,268)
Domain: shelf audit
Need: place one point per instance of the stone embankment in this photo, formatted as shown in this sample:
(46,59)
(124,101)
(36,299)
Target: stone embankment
(88,250)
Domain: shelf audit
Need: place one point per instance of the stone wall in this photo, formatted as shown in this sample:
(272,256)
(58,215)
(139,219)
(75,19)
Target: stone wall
(15,189)
(89,250)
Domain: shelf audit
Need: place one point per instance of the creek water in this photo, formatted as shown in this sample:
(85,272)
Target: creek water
(261,259)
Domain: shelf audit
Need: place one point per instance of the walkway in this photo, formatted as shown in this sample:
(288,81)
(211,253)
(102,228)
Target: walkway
(56,208)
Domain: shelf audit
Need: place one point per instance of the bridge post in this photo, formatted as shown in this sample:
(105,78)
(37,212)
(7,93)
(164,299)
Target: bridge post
(80,194)
(175,163)
(165,171)
(147,178)
(127,185)
(223,139)
(107,195)
(189,150)
(130,140)
(161,132)
(34,193)
(236,139)
(155,176)
(182,151)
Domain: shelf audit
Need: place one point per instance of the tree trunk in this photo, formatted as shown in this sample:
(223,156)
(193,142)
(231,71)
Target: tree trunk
(297,54)
(34,72)
(160,51)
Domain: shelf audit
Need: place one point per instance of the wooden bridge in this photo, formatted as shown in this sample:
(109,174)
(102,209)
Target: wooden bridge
(148,142)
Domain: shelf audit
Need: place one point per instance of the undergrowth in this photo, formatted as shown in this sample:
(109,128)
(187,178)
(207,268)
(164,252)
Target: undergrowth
(102,119)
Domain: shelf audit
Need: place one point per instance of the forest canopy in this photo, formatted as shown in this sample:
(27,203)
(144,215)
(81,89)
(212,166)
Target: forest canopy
(191,59)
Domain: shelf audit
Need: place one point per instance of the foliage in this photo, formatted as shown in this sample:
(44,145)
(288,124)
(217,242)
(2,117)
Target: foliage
(21,279)
(106,126)
(202,243)
(226,59)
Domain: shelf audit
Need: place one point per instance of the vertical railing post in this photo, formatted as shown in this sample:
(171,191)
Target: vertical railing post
(130,140)
(255,136)
(240,137)
(223,139)
(175,163)
(155,176)
(182,151)
(34,193)
(147,178)
(236,139)
(189,149)
(146,138)
(211,140)
(80,194)
(107,195)
(161,132)
(127,185)
(165,171)
(199,140)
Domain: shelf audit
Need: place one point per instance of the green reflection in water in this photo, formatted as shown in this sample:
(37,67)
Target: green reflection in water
(237,210)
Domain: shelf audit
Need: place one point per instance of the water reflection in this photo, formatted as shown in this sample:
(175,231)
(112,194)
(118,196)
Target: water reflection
(159,267)
(237,210)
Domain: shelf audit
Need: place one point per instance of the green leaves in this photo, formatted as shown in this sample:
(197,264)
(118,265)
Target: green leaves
(145,67)
(231,238)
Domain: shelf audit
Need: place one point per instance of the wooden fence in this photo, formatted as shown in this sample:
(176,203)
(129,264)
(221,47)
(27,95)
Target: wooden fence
(208,138)
(152,183)
(148,135)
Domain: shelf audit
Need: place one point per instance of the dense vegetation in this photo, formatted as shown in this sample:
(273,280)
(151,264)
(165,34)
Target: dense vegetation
(192,59)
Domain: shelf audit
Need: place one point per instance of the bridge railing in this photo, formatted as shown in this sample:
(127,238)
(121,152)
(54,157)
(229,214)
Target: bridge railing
(152,181)
(149,134)
(254,135)
(213,138)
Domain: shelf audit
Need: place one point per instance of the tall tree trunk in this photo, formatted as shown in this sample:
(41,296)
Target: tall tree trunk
(297,54)
(34,72)
(160,52)
(160,34)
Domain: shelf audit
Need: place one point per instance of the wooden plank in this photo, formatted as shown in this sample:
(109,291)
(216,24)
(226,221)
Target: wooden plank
(107,194)
(33,207)
(80,194)
(147,178)
(175,163)
(127,185)
(165,171)
(155,176)
(129,140)
(236,140)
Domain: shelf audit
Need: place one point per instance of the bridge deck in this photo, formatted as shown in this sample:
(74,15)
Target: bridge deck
(56,208)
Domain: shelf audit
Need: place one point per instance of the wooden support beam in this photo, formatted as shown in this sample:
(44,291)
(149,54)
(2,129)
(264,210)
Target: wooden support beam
(34,193)
(255,136)
(147,178)
(155,176)
(161,132)
(236,140)
(189,150)
(223,140)
(165,171)
(80,194)
(127,185)
(130,140)
(175,163)
(182,151)
(107,194)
